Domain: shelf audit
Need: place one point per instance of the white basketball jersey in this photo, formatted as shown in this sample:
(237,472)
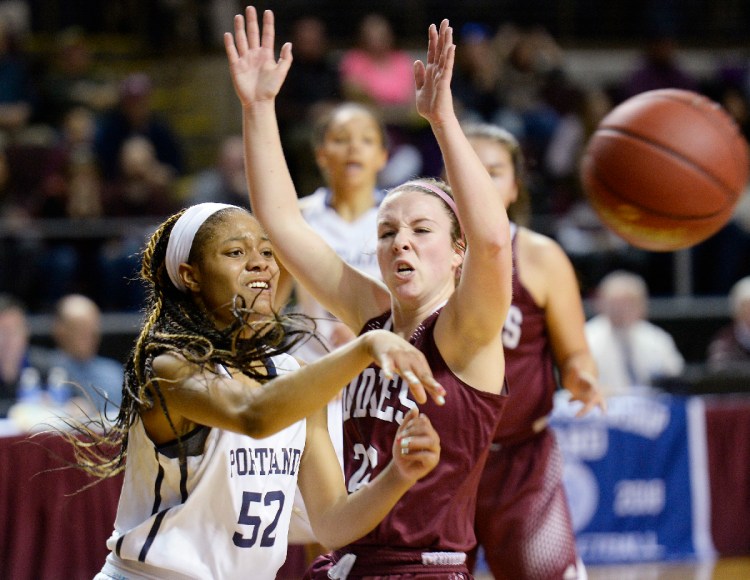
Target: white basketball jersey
(225,514)
(355,242)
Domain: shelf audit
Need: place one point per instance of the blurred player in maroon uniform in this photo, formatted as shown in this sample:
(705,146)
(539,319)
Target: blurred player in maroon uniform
(522,517)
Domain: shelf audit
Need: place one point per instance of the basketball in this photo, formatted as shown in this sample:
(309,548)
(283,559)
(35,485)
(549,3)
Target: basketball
(665,169)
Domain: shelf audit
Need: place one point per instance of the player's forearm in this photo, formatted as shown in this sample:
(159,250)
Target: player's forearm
(273,197)
(311,387)
(360,512)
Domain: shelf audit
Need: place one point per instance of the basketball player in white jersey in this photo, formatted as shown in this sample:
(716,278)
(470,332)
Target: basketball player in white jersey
(218,422)
(350,149)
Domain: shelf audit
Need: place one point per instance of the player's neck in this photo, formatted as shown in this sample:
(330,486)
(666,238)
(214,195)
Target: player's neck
(351,203)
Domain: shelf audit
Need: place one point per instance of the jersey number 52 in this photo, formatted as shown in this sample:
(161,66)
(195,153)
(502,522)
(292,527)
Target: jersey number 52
(253,502)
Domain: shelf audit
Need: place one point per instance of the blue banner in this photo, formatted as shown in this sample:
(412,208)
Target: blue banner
(628,479)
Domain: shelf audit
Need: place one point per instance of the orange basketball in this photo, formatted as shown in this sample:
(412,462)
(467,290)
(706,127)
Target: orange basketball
(665,169)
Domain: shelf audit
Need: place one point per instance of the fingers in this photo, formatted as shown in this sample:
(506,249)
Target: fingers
(419,74)
(251,24)
(269,29)
(432,40)
(448,57)
(285,57)
(416,435)
(422,385)
(247,34)
(416,450)
(384,362)
(440,47)
(588,406)
(405,427)
(440,42)
(230,48)
(590,398)
(239,43)
(396,356)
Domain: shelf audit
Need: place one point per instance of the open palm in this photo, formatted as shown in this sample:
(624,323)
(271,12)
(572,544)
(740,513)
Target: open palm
(433,80)
(256,74)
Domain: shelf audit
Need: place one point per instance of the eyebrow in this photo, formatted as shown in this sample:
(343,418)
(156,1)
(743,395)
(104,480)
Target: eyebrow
(263,238)
(415,221)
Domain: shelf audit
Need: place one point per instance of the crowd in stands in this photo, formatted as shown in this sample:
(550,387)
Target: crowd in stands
(81,144)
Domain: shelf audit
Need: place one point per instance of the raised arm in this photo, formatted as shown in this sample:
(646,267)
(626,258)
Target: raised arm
(258,76)
(477,309)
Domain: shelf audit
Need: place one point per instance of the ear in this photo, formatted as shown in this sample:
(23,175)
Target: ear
(458,257)
(190,277)
(514,192)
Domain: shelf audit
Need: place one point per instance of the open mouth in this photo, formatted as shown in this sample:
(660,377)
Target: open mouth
(259,285)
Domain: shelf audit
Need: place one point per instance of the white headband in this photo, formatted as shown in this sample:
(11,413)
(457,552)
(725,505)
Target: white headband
(181,239)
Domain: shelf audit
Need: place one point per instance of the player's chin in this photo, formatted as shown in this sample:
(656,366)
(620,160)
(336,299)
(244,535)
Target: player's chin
(260,302)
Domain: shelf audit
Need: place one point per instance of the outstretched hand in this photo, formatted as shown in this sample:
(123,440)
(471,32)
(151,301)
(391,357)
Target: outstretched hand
(433,80)
(394,355)
(256,74)
(584,388)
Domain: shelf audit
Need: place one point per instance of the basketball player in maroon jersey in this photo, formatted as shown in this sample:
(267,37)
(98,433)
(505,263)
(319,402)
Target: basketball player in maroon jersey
(522,518)
(440,279)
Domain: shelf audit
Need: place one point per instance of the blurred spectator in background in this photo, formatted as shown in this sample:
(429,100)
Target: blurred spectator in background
(311,87)
(225,181)
(69,186)
(476,74)
(144,184)
(580,111)
(351,149)
(594,249)
(18,245)
(17,357)
(659,67)
(730,347)
(528,59)
(17,96)
(563,151)
(76,330)
(379,73)
(71,80)
(145,187)
(629,350)
(133,116)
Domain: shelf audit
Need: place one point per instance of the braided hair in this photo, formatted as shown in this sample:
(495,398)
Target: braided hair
(175,323)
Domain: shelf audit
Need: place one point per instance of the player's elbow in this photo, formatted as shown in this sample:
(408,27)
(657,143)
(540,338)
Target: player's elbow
(493,247)
(257,424)
(329,536)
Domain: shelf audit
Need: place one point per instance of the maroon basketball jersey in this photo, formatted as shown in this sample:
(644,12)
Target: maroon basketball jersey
(438,511)
(529,366)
